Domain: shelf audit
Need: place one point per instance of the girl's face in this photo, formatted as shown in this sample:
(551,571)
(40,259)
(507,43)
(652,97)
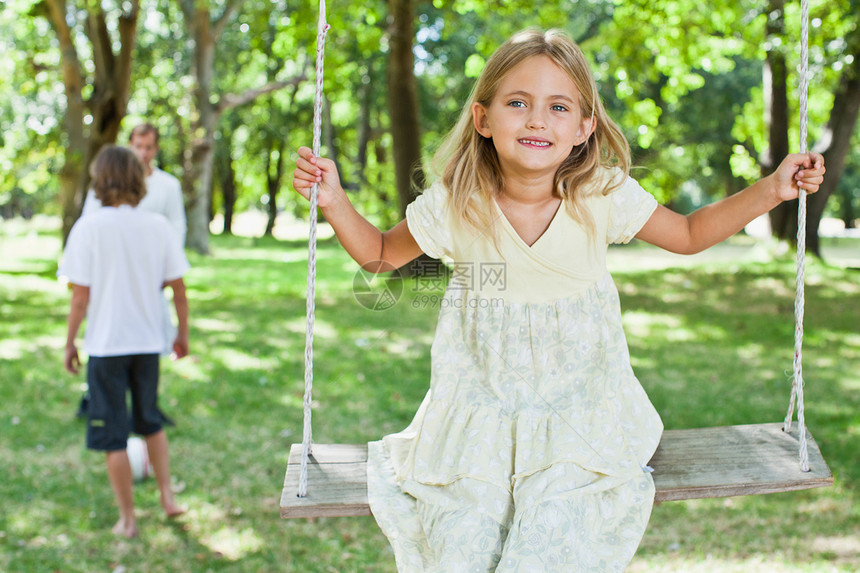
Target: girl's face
(534,120)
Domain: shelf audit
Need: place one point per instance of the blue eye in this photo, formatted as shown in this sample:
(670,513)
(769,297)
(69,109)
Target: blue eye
(517,103)
(558,107)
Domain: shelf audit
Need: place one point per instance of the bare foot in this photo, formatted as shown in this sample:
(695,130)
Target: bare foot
(175,512)
(125,529)
(171,508)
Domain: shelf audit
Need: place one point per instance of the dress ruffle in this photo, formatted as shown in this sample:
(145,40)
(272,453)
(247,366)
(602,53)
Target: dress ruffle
(521,409)
(449,443)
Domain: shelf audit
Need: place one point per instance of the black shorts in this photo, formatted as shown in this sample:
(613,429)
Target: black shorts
(110,378)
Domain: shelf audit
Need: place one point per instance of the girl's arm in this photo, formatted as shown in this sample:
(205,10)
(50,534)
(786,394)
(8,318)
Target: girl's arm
(717,222)
(375,251)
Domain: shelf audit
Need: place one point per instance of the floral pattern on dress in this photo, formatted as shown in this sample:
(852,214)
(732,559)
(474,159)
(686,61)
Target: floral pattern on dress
(528,452)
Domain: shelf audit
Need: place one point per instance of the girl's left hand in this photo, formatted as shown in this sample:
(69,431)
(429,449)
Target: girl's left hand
(798,170)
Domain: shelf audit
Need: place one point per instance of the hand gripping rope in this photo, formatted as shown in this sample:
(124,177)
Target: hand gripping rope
(797,385)
(322,28)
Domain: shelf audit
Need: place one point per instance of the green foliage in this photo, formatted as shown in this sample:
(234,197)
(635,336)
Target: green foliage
(683,81)
(702,69)
(845,203)
(30,114)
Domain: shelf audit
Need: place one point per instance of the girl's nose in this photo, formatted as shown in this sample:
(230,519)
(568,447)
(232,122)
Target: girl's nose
(536,121)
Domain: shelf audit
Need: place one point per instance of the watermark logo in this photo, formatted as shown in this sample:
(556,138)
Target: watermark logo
(428,275)
(424,301)
(494,275)
(382,291)
(435,275)
(377,291)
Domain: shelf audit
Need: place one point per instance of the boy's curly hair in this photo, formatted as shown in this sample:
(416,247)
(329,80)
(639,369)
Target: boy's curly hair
(118,177)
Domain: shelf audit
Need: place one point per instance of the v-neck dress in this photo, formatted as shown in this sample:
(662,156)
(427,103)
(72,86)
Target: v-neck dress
(529,450)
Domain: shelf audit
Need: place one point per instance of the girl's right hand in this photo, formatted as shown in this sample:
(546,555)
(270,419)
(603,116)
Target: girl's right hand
(310,170)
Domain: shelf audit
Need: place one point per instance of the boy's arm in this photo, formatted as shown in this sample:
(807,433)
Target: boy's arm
(180,302)
(716,222)
(77,312)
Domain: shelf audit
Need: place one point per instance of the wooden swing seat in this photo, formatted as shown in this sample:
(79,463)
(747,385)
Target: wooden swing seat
(689,464)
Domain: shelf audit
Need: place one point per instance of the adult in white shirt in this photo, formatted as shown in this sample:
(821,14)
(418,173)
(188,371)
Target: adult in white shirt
(163,191)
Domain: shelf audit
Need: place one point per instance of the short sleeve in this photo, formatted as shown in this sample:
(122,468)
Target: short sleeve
(631,207)
(76,264)
(428,219)
(176,263)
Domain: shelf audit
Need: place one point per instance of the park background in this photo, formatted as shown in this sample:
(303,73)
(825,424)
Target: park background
(707,97)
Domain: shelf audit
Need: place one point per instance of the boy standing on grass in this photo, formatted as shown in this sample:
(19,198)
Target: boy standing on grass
(164,196)
(118,260)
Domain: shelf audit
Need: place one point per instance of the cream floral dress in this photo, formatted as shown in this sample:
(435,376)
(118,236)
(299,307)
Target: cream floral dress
(529,451)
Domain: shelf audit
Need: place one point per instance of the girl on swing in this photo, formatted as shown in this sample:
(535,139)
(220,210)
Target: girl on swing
(530,450)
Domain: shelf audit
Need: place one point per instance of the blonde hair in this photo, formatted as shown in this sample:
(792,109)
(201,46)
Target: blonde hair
(118,177)
(468,162)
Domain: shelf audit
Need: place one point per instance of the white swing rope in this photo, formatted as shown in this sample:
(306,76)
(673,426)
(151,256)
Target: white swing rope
(322,28)
(797,385)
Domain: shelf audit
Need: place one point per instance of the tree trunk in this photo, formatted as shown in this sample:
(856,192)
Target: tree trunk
(848,215)
(197,182)
(775,82)
(198,164)
(834,145)
(227,177)
(403,102)
(330,141)
(106,105)
(273,182)
(363,134)
(276,144)
(229,190)
(835,141)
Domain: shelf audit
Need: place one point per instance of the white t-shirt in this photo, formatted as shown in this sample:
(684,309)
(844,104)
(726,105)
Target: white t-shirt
(124,255)
(163,196)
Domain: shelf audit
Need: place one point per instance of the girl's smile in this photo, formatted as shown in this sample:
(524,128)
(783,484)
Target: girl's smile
(535,142)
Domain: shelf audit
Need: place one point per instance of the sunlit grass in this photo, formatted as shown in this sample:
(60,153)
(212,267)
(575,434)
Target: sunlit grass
(711,342)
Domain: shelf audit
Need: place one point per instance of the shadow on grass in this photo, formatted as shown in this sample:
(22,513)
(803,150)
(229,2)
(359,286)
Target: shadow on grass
(712,347)
(716,348)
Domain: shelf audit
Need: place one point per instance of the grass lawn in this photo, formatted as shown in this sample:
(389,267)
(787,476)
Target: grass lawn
(711,340)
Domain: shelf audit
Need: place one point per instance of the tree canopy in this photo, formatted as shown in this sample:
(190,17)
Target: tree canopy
(699,91)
